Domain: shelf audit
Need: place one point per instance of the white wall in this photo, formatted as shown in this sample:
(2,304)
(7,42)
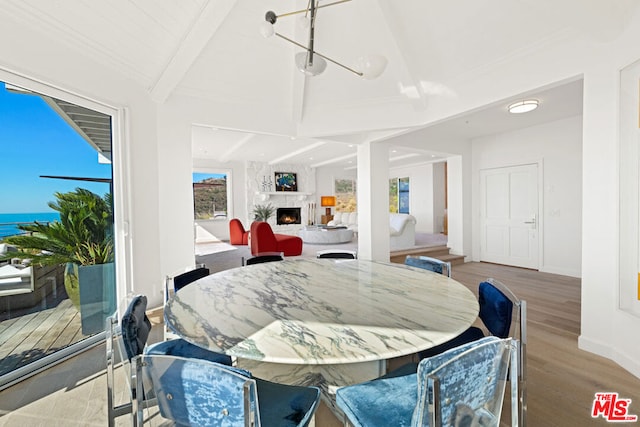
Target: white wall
(325,183)
(605,328)
(426,194)
(557,146)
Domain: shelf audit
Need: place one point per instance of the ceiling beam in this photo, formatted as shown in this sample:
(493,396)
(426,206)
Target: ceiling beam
(297,152)
(206,24)
(334,160)
(235,147)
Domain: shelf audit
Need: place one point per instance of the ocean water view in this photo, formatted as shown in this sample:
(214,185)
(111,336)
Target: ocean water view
(9,221)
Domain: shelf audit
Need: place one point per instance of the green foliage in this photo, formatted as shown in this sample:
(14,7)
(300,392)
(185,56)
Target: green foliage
(346,199)
(210,199)
(393,195)
(263,212)
(84,234)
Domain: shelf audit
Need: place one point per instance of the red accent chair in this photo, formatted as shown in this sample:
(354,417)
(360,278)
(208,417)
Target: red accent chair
(237,234)
(263,239)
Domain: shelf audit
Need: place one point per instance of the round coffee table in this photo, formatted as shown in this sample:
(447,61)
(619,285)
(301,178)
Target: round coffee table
(321,235)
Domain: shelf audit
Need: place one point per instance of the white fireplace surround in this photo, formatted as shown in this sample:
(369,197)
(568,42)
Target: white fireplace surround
(303,198)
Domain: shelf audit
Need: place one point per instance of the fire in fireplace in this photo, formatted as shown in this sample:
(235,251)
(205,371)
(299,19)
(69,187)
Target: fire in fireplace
(288,216)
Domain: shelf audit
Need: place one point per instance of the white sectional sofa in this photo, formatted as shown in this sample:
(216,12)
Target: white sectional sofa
(402,227)
(347,219)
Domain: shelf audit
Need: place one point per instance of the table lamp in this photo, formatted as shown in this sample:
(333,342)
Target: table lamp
(328,202)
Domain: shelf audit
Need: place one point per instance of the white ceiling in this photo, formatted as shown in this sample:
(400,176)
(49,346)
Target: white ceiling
(262,108)
(555,103)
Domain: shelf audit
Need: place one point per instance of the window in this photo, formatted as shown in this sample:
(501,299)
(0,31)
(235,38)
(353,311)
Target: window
(345,191)
(210,195)
(399,195)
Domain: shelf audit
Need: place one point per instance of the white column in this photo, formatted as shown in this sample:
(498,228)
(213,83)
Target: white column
(373,201)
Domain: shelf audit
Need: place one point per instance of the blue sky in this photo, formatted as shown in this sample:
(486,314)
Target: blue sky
(35,141)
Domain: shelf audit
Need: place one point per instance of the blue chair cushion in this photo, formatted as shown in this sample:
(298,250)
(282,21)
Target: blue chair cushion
(180,347)
(286,405)
(471,334)
(386,401)
(424,264)
(398,398)
(135,326)
(426,367)
(495,310)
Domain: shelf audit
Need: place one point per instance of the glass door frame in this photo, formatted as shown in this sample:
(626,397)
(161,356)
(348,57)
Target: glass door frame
(120,187)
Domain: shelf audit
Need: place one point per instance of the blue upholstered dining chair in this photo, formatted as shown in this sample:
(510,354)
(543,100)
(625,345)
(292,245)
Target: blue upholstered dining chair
(463,386)
(128,339)
(173,283)
(337,254)
(428,263)
(193,392)
(504,315)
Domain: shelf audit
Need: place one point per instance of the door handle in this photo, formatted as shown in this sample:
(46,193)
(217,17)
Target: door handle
(532,222)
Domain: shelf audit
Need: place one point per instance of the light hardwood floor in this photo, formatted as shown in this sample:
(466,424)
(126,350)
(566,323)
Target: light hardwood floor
(562,380)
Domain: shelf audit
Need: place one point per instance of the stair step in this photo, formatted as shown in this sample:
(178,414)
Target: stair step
(453,259)
(439,252)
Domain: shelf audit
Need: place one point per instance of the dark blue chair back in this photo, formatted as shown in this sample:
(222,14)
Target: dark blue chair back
(495,310)
(135,326)
(263,257)
(182,280)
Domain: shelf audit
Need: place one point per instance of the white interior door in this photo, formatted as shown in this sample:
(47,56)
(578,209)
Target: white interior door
(509,215)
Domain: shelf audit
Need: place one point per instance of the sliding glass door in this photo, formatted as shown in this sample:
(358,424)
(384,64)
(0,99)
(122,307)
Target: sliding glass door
(57,234)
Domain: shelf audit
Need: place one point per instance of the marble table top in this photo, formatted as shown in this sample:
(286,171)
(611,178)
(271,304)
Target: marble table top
(321,311)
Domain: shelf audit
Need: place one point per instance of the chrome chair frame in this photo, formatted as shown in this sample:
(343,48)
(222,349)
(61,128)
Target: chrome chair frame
(518,331)
(435,393)
(166,375)
(445,264)
(138,364)
(113,339)
(465,384)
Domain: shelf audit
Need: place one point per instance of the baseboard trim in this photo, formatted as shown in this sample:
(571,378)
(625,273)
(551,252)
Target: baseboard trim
(605,350)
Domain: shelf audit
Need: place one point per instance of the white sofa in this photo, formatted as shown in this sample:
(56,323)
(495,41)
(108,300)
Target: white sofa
(402,227)
(402,230)
(347,219)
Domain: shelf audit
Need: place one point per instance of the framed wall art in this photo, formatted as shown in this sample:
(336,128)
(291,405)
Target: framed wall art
(286,181)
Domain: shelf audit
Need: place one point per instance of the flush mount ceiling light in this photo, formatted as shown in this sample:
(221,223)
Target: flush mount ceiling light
(523,106)
(312,62)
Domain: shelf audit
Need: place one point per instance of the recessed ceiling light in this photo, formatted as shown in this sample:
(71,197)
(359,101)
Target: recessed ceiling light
(523,106)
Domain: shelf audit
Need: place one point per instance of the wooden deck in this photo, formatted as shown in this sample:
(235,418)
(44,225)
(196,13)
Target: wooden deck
(32,336)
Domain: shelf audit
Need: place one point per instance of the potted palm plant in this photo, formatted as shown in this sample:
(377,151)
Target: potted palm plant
(83,240)
(263,212)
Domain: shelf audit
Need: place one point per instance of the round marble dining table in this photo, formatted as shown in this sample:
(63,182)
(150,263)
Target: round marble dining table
(321,311)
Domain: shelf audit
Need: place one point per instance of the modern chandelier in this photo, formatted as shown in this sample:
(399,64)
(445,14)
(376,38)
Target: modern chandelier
(311,62)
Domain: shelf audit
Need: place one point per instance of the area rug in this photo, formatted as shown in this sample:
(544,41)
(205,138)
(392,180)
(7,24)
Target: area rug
(208,248)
